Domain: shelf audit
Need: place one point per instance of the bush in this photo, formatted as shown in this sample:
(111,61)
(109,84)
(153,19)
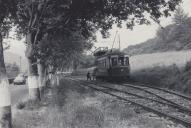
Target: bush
(20,105)
(170,77)
(187,66)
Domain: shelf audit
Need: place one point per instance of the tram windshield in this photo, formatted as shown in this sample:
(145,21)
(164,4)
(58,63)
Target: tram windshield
(123,61)
(126,60)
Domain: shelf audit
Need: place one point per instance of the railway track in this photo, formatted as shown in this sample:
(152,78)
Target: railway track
(165,90)
(150,102)
(159,96)
(180,100)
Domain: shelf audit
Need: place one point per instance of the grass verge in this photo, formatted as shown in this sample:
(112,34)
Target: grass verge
(71,106)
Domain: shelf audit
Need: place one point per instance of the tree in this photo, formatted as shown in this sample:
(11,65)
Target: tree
(40,17)
(58,51)
(30,14)
(7,10)
(180,16)
(86,61)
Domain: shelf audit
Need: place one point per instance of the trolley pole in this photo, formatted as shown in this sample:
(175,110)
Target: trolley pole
(20,63)
(119,43)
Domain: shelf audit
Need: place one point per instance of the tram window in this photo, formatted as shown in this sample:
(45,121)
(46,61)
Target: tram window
(104,63)
(114,61)
(100,63)
(126,61)
(107,63)
(121,61)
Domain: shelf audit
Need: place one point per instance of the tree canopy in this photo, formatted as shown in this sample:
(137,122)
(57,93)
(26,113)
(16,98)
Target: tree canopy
(7,9)
(64,17)
(180,16)
(60,51)
(53,16)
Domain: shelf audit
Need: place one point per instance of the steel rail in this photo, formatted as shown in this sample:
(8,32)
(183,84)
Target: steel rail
(181,108)
(149,92)
(166,90)
(168,102)
(185,122)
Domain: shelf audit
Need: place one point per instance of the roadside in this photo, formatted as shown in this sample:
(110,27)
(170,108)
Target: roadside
(71,106)
(18,93)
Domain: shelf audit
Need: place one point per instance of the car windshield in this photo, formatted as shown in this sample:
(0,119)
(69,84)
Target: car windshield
(20,75)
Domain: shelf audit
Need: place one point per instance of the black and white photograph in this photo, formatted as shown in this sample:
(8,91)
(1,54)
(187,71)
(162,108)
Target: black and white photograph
(95,63)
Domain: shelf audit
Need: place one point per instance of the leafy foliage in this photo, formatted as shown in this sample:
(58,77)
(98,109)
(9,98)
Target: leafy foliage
(171,77)
(180,16)
(84,61)
(62,15)
(7,9)
(6,13)
(173,37)
(60,51)
(50,26)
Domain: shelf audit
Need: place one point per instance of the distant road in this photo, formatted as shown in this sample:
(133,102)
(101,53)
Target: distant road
(18,93)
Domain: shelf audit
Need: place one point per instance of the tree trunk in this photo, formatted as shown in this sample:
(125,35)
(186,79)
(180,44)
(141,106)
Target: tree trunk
(53,80)
(52,77)
(5,101)
(57,79)
(34,92)
(42,76)
(75,65)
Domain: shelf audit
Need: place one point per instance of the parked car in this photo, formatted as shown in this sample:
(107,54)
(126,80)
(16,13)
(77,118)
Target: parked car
(20,79)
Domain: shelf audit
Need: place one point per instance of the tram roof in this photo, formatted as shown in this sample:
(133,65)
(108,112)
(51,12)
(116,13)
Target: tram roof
(112,52)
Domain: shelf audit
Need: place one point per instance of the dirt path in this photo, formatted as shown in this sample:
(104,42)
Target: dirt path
(18,93)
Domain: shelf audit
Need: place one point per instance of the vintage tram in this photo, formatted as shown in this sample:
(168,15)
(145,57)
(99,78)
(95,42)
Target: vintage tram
(111,64)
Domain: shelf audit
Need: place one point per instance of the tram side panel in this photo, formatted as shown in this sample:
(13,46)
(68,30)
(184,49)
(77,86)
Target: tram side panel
(111,67)
(101,70)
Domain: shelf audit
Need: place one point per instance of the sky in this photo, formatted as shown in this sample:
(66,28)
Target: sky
(127,37)
(139,34)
